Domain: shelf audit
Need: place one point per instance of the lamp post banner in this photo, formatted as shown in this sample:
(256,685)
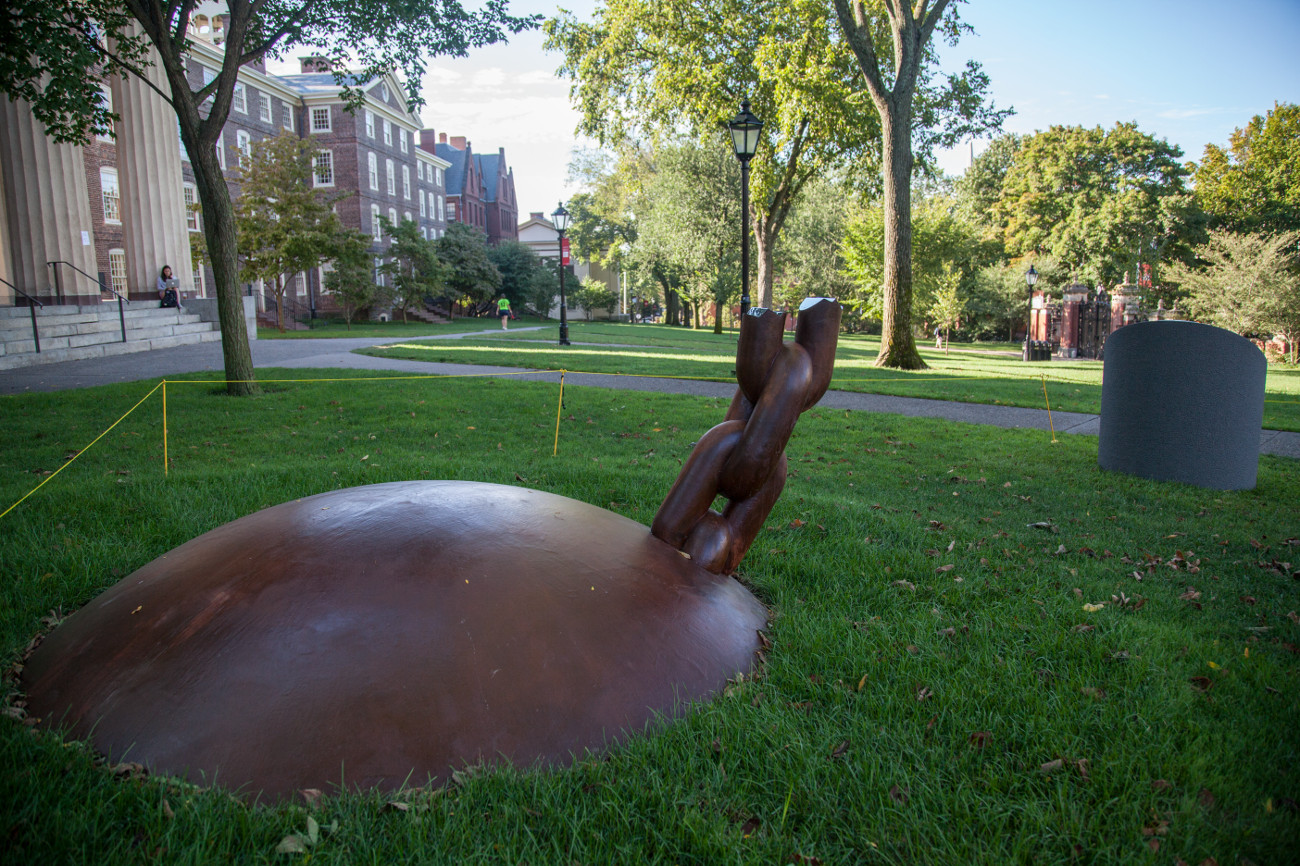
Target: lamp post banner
(564,251)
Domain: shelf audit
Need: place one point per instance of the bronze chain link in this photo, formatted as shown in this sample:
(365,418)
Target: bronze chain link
(743,458)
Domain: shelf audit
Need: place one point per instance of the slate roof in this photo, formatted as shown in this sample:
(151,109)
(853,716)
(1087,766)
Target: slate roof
(456,172)
(317,82)
(487,169)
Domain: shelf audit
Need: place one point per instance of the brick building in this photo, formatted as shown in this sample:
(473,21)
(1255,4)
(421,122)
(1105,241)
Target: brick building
(131,203)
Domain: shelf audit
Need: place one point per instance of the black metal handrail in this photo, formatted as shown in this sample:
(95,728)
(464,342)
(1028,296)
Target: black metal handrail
(103,287)
(36,335)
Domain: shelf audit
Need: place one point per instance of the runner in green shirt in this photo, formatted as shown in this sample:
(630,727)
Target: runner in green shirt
(503,310)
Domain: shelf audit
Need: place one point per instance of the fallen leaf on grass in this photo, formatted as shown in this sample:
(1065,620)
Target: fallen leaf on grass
(980,739)
(292,844)
(749,828)
(1083,626)
(796,523)
(1093,608)
(1205,798)
(1094,693)
(1190,595)
(1201,684)
(1154,845)
(1161,785)
(905,584)
(1294,617)
(839,750)
(1160,828)
(311,795)
(923,693)
(941,569)
(1082,766)
(1052,766)
(899,795)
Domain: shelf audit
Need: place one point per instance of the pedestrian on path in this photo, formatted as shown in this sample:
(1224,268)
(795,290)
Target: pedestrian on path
(503,310)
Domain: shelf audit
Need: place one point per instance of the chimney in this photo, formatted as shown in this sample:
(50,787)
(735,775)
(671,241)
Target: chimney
(458,142)
(428,140)
(315,63)
(537,215)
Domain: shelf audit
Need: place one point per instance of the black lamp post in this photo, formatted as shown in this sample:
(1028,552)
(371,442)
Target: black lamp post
(744,138)
(1031,277)
(560,217)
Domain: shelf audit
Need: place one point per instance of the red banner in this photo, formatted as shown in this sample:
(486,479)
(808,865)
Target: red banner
(564,252)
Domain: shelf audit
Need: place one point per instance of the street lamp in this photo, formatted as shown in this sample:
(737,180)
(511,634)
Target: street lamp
(560,217)
(1031,277)
(744,139)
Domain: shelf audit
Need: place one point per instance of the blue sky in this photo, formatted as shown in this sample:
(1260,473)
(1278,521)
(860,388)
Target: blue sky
(1188,71)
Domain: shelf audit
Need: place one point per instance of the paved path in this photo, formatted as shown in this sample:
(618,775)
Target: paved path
(337,354)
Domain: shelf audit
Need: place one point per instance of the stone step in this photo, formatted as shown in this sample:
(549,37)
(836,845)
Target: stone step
(10,360)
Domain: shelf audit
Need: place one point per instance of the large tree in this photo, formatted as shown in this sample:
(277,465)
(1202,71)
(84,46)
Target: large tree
(414,269)
(56,53)
(1103,202)
(283,226)
(1248,283)
(644,68)
(1254,185)
(692,226)
(919,111)
(469,273)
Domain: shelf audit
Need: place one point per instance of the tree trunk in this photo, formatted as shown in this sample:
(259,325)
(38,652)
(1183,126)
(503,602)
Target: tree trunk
(279,302)
(223,255)
(897,343)
(765,247)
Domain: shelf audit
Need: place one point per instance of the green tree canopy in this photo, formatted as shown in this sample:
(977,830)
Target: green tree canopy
(1254,185)
(518,264)
(284,226)
(648,68)
(1102,201)
(1249,283)
(470,274)
(56,54)
(414,269)
(350,278)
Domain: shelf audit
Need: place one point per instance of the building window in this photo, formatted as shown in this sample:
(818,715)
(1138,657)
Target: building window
(451,208)
(392,216)
(106,100)
(324,168)
(424,211)
(438,176)
(424,232)
(112,197)
(401,139)
(198,281)
(244,144)
(376,227)
(419,170)
(117,270)
(406,182)
(383,91)
(432,210)
(320,120)
(370,123)
(388,133)
(191,207)
(264,107)
(379,272)
(373,164)
(389,174)
(241,99)
(286,117)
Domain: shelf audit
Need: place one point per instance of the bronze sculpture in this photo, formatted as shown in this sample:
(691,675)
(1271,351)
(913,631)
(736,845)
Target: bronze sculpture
(384,635)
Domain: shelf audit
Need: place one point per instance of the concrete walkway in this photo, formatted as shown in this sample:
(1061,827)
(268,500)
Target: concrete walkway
(337,354)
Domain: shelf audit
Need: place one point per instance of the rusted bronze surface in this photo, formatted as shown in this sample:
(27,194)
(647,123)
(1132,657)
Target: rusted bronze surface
(743,458)
(375,635)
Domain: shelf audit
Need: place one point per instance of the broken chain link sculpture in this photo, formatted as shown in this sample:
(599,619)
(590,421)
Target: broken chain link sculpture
(743,458)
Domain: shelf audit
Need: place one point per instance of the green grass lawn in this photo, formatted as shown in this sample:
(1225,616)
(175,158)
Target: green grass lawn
(397,330)
(969,373)
(936,692)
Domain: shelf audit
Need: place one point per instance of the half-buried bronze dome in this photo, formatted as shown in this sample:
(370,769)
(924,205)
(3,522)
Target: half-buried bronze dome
(377,635)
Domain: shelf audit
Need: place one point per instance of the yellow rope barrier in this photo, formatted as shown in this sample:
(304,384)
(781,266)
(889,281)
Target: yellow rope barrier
(74,457)
(1049,409)
(558,411)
